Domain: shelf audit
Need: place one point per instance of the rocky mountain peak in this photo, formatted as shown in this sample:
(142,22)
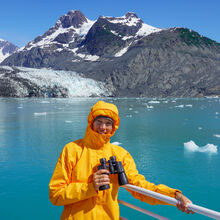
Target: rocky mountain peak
(73,18)
(82,38)
(68,27)
(109,35)
(131,15)
(6,49)
(130,19)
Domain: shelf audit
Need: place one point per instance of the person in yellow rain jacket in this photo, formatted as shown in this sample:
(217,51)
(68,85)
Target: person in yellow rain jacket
(76,180)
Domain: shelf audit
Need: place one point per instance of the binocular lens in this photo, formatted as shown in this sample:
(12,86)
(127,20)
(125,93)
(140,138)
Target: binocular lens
(115,167)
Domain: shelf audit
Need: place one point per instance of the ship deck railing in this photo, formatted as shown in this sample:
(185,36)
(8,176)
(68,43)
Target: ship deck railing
(195,208)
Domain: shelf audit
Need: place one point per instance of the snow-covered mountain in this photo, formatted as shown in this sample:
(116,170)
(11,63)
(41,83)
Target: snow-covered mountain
(112,36)
(29,82)
(75,38)
(6,49)
(71,29)
(68,30)
(125,55)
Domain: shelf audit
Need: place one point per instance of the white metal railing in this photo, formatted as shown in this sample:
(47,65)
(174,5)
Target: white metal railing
(195,208)
(142,210)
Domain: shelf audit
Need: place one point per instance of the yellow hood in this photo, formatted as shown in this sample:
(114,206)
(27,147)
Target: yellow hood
(94,139)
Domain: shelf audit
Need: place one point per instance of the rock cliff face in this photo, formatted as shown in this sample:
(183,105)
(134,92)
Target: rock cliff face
(130,57)
(171,63)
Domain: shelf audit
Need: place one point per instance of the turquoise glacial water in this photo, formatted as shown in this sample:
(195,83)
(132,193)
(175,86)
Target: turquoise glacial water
(34,131)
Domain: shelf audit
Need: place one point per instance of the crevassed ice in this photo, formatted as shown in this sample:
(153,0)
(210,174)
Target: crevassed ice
(76,85)
(7,68)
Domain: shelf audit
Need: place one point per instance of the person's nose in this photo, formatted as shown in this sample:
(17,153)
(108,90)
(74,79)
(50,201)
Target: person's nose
(103,126)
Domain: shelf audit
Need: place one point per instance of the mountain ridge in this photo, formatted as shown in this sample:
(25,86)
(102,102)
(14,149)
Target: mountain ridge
(76,35)
(131,57)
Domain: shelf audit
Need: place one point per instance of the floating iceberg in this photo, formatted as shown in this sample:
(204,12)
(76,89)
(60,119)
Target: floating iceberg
(40,113)
(192,147)
(116,143)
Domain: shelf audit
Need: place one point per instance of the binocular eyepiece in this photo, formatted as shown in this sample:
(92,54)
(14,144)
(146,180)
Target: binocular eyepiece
(114,167)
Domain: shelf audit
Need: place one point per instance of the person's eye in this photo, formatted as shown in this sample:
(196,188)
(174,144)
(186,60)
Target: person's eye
(108,124)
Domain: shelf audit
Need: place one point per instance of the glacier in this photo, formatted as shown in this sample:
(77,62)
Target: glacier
(50,83)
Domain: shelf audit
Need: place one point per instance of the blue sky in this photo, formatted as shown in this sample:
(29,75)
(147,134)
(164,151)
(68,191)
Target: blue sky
(23,20)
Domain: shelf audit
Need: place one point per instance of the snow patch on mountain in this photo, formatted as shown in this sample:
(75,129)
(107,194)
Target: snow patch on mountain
(122,51)
(146,30)
(83,30)
(2,55)
(47,40)
(124,20)
(142,32)
(6,49)
(88,57)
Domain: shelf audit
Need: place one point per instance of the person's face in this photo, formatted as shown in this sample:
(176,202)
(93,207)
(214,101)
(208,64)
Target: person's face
(102,126)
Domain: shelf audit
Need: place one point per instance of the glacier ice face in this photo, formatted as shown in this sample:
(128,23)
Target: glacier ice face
(29,82)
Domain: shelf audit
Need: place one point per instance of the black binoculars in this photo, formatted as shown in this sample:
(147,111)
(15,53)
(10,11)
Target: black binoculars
(114,167)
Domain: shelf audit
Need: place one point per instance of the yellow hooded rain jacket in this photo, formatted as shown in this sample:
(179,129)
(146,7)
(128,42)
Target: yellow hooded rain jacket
(71,185)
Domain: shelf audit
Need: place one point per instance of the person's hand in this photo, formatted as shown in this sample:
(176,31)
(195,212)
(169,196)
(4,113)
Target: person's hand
(182,203)
(100,178)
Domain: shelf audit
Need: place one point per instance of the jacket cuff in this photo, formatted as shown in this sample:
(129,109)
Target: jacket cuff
(175,191)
